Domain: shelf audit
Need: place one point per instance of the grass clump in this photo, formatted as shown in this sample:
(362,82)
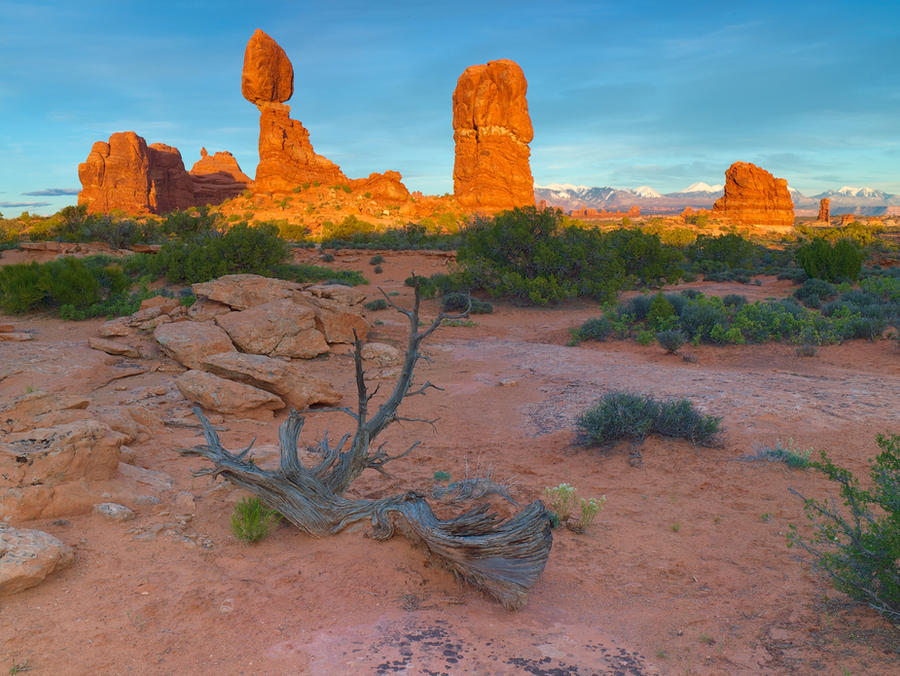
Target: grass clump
(563,500)
(252,520)
(789,455)
(377,304)
(626,415)
(858,544)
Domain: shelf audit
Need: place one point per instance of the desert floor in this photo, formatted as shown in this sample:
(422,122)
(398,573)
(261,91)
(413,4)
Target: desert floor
(685,571)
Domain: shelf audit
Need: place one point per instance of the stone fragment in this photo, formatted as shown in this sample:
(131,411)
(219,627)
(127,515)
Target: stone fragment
(204,310)
(224,396)
(492,130)
(189,342)
(159,481)
(27,557)
(164,303)
(113,347)
(114,511)
(340,293)
(115,328)
(381,354)
(16,337)
(286,379)
(338,323)
(754,197)
(267,75)
(7,328)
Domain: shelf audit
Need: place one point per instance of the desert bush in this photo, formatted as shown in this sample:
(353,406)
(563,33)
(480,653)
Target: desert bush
(858,545)
(20,288)
(348,229)
(598,328)
(456,301)
(671,340)
(563,500)
(833,263)
(661,314)
(789,455)
(626,415)
(814,291)
(734,300)
(252,520)
(376,260)
(715,253)
(377,304)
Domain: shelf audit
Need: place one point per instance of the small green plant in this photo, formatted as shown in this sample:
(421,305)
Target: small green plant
(376,260)
(644,337)
(19,667)
(562,501)
(707,639)
(676,527)
(806,350)
(442,476)
(377,304)
(465,323)
(378,269)
(858,545)
(597,328)
(589,510)
(765,517)
(327,257)
(252,520)
(789,455)
(671,340)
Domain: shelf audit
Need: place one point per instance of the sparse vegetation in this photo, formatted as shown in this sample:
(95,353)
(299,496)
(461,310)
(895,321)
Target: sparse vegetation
(671,340)
(377,304)
(858,544)
(789,455)
(626,415)
(252,520)
(563,500)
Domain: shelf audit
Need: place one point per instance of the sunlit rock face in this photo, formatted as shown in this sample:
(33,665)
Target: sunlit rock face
(492,130)
(754,197)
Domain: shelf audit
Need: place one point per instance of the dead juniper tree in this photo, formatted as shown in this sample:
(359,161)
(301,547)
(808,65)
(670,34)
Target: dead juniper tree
(503,558)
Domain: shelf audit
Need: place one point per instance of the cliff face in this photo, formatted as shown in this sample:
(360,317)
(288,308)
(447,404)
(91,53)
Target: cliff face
(492,130)
(125,174)
(754,197)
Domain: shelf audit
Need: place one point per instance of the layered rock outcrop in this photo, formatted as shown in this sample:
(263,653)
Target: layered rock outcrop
(824,210)
(754,197)
(128,175)
(492,130)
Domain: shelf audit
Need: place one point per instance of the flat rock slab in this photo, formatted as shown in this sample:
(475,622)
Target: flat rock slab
(27,557)
(159,481)
(113,347)
(224,396)
(286,379)
(245,291)
(189,342)
(279,328)
(15,337)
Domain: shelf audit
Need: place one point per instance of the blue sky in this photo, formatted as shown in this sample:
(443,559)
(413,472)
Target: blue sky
(620,93)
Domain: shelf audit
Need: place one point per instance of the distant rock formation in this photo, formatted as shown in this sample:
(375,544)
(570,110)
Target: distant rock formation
(847,219)
(754,197)
(824,210)
(217,177)
(492,130)
(591,213)
(126,174)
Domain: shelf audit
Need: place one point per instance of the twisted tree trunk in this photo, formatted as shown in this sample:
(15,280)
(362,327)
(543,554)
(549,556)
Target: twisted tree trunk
(503,558)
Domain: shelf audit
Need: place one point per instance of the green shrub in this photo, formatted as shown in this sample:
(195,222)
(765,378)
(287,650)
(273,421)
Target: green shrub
(458,302)
(671,340)
(252,520)
(814,291)
(858,545)
(376,260)
(377,304)
(327,257)
(790,456)
(563,500)
(714,253)
(625,415)
(347,229)
(661,313)
(598,328)
(20,287)
(842,261)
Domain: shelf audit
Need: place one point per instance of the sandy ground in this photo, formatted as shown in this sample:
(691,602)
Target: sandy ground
(685,571)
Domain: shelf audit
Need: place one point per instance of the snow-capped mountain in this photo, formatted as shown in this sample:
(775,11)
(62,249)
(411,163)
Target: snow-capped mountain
(847,199)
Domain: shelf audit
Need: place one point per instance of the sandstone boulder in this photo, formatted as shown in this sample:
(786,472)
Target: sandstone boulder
(381,354)
(113,347)
(240,292)
(46,472)
(346,295)
(204,310)
(268,74)
(189,342)
(224,396)
(847,219)
(338,322)
(27,557)
(754,197)
(286,379)
(492,130)
(279,328)
(115,328)
(384,188)
(114,511)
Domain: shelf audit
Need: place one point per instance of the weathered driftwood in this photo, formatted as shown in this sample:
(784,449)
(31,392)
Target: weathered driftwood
(503,558)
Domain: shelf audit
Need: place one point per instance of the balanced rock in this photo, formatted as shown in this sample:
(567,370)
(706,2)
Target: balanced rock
(824,210)
(280,328)
(224,396)
(27,557)
(189,342)
(268,75)
(754,197)
(492,130)
(286,379)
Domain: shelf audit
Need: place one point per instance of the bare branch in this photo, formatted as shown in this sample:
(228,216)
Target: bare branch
(428,384)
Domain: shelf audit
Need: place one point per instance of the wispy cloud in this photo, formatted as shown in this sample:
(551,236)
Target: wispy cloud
(24,204)
(52,192)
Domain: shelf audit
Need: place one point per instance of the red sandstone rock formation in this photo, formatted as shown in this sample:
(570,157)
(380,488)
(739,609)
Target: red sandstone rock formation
(824,210)
(268,74)
(128,175)
(492,130)
(385,187)
(754,197)
(217,178)
(847,219)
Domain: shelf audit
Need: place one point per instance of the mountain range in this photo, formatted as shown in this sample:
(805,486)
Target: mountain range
(845,200)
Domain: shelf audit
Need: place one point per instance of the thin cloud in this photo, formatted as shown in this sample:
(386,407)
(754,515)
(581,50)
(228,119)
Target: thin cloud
(24,204)
(52,192)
